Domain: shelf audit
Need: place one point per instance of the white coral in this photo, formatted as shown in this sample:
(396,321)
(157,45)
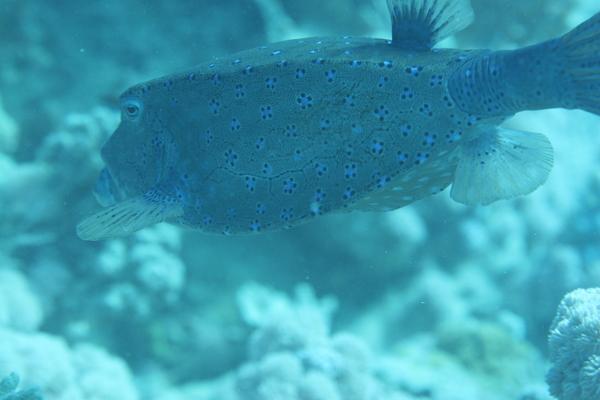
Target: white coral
(575,347)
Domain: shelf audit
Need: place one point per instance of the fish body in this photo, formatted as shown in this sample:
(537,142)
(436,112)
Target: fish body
(270,137)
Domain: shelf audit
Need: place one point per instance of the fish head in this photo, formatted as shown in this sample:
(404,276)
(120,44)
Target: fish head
(138,153)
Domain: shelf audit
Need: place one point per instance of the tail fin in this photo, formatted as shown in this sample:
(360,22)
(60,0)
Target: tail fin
(581,47)
(559,73)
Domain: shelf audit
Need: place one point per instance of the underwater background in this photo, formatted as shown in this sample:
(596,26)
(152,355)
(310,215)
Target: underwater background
(432,301)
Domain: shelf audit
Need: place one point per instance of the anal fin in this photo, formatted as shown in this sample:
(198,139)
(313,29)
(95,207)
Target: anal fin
(420,24)
(409,186)
(125,218)
(501,164)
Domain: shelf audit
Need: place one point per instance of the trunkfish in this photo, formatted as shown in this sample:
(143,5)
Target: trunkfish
(271,137)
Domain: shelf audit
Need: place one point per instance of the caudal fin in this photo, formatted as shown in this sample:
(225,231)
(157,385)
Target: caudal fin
(581,48)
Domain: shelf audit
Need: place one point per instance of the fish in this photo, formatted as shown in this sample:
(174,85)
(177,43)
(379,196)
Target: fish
(272,137)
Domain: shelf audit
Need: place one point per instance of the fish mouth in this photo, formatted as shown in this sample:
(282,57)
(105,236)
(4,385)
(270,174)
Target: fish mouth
(106,190)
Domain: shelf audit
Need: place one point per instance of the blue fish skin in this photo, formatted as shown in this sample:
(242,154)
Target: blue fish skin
(270,137)
(559,73)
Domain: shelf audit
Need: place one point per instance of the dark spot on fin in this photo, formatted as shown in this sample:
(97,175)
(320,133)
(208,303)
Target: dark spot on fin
(501,164)
(125,218)
(420,24)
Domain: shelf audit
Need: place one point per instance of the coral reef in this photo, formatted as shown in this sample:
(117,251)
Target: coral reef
(8,390)
(574,347)
(434,301)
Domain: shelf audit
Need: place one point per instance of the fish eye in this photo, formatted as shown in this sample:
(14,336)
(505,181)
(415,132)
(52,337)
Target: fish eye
(132,108)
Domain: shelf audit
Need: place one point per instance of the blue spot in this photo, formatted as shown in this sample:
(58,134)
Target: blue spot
(320,168)
(231,157)
(472,120)
(250,183)
(348,193)
(261,209)
(357,129)
(355,63)
(266,112)
(305,101)
(377,147)
(453,136)
(406,129)
(350,171)
(260,144)
(214,106)
(429,140)
(349,149)
(330,75)
(300,73)
(414,70)
(239,91)
(381,112)
(349,100)
(271,83)
(289,186)
(421,158)
(436,80)
(402,157)
(386,64)
(426,110)
(216,79)
(235,124)
(297,155)
(382,81)
(207,220)
(267,169)
(319,61)
(231,213)
(287,214)
(319,196)
(382,181)
(407,94)
(208,136)
(325,124)
(291,131)
(255,226)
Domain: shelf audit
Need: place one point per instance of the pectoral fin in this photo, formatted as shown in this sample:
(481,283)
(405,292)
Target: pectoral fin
(501,164)
(125,218)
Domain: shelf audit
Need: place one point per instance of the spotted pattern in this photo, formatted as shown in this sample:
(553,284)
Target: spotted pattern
(298,129)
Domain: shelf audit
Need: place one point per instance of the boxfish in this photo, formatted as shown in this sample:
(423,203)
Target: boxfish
(271,137)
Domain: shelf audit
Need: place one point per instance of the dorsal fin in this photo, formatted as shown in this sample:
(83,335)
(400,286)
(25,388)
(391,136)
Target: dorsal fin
(420,24)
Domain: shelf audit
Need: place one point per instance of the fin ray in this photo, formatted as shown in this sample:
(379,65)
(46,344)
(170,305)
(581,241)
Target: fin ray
(501,164)
(126,217)
(420,24)
(582,50)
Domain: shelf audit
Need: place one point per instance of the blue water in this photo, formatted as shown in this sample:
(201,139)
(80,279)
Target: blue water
(432,301)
